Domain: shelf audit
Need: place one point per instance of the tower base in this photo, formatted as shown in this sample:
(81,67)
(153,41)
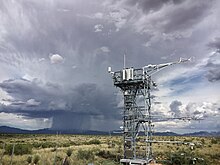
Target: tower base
(133,162)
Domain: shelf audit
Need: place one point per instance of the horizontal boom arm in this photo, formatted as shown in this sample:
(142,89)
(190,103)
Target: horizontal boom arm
(151,69)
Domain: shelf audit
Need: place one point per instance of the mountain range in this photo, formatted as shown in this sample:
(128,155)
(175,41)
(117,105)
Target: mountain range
(11,130)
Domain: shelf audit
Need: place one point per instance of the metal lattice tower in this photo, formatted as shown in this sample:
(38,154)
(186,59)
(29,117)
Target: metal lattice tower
(136,85)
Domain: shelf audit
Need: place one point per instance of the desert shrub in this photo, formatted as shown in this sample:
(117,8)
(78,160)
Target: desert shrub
(36,159)
(19,149)
(104,154)
(36,145)
(49,145)
(69,152)
(203,141)
(29,159)
(117,142)
(72,143)
(199,146)
(93,141)
(176,161)
(113,145)
(59,159)
(214,141)
(185,157)
(215,156)
(66,144)
(85,154)
(172,138)
(108,155)
(53,149)
(108,162)
(119,150)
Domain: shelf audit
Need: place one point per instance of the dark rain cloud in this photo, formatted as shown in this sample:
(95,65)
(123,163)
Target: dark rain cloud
(213,75)
(213,64)
(148,5)
(84,103)
(175,108)
(186,17)
(177,15)
(215,44)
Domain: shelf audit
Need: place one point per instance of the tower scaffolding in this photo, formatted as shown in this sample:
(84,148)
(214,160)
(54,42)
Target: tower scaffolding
(136,85)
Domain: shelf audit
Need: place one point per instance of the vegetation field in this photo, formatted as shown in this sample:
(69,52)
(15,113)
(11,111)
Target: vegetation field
(100,150)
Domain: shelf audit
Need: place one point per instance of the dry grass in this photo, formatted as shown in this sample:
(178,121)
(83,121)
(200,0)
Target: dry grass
(106,150)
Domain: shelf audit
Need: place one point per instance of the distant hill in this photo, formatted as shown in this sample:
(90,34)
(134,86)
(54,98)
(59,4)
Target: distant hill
(200,133)
(11,130)
(166,134)
(155,134)
(203,133)
(5,129)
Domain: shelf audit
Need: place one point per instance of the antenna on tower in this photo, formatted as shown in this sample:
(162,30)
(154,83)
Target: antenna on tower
(124,59)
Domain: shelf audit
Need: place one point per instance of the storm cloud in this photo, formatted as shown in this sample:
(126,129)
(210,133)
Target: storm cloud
(82,106)
(175,108)
(215,44)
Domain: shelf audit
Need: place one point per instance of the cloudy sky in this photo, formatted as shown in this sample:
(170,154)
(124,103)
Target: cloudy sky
(54,56)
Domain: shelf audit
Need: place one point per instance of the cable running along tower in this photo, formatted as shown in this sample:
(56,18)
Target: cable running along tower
(136,85)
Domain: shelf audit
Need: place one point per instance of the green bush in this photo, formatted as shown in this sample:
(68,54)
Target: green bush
(49,145)
(72,143)
(214,141)
(36,159)
(108,155)
(85,154)
(104,154)
(29,159)
(59,159)
(93,141)
(66,144)
(53,149)
(36,145)
(69,152)
(203,141)
(19,149)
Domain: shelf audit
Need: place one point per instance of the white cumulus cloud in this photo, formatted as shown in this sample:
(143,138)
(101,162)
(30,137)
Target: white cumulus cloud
(56,59)
(33,102)
(105,49)
(98,15)
(98,28)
